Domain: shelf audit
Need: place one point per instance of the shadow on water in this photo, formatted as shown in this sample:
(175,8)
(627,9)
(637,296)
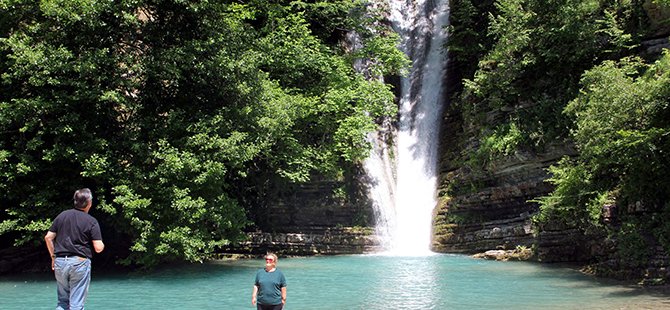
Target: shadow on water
(636,290)
(574,278)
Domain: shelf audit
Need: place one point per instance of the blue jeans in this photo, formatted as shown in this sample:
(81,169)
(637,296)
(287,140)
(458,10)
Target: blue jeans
(73,275)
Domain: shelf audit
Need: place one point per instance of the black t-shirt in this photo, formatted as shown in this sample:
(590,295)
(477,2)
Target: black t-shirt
(75,230)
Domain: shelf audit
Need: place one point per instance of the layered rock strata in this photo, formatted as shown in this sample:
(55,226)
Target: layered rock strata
(319,218)
(490,210)
(329,241)
(496,213)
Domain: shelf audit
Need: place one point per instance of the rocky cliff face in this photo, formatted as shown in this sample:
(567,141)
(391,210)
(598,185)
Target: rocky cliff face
(492,209)
(321,217)
(480,211)
(329,241)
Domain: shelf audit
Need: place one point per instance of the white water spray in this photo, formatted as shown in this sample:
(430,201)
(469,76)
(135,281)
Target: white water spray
(404,200)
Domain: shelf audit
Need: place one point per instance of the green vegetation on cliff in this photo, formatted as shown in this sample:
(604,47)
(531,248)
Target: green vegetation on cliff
(530,65)
(623,137)
(178,114)
(542,73)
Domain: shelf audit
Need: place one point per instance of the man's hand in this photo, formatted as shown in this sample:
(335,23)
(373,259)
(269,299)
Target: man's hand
(98,246)
(49,239)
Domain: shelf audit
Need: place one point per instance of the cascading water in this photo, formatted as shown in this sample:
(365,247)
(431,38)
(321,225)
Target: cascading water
(404,190)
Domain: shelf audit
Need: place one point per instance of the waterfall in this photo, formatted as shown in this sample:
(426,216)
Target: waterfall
(403,184)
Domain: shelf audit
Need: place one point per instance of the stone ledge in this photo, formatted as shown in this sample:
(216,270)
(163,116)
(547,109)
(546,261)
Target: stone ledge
(344,241)
(521,254)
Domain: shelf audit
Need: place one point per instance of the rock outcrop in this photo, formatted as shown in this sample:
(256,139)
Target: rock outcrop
(492,209)
(318,218)
(519,253)
(489,211)
(329,241)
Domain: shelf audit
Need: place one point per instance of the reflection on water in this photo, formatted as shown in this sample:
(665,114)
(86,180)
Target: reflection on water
(401,283)
(349,282)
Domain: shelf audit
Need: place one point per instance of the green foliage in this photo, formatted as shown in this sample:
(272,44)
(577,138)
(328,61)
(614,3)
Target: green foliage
(467,28)
(621,126)
(502,141)
(621,132)
(531,69)
(631,245)
(178,114)
(662,230)
(530,56)
(552,72)
(568,200)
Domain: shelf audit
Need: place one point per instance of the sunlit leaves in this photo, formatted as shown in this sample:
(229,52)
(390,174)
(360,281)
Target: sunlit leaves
(178,113)
(71,10)
(539,51)
(38,62)
(571,189)
(95,165)
(624,146)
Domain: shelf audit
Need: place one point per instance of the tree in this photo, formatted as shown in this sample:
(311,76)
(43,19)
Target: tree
(622,135)
(168,109)
(532,68)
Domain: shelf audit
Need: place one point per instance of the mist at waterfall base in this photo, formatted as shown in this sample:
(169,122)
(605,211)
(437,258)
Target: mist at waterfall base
(366,282)
(404,180)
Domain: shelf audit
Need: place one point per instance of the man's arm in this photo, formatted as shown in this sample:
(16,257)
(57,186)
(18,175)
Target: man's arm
(98,246)
(49,239)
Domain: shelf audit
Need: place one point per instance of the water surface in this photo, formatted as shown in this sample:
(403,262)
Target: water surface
(348,282)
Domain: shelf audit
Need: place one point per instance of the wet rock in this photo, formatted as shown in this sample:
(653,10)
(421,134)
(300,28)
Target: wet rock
(504,255)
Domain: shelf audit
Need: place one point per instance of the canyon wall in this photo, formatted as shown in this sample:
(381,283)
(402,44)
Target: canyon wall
(323,217)
(480,210)
(492,209)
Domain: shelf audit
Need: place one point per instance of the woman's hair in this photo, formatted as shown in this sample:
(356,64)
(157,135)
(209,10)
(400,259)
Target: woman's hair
(274,257)
(82,198)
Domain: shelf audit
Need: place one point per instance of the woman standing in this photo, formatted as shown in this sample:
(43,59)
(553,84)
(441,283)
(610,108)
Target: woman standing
(270,286)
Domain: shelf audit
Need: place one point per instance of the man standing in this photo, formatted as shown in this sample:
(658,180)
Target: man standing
(71,240)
